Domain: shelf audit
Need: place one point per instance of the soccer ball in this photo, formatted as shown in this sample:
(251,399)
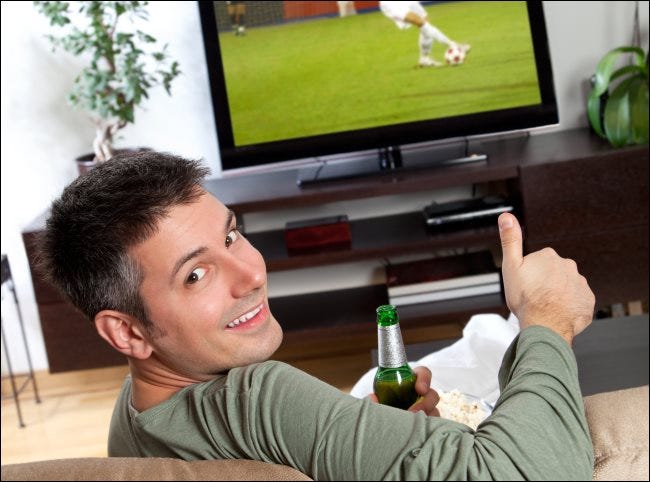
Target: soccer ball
(454,55)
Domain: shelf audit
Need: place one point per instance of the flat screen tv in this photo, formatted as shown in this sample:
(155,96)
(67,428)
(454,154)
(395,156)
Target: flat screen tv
(304,84)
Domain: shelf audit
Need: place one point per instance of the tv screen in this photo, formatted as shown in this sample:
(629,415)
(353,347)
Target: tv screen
(298,79)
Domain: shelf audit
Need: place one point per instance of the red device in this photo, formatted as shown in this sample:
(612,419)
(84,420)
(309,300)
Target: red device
(318,235)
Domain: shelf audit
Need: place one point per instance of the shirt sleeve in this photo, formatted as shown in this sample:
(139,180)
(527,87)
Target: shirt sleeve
(537,430)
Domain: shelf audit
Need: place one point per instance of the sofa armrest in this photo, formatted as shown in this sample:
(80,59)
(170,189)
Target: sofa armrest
(131,468)
(618,423)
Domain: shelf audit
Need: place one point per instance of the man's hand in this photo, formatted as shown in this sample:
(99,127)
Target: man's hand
(542,288)
(429,398)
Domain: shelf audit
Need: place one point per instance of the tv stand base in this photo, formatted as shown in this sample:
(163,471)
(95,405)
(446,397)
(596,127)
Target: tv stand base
(389,160)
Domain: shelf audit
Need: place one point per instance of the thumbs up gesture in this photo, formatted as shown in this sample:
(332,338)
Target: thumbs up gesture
(543,288)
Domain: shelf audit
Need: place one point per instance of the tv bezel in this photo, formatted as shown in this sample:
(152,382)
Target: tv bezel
(234,158)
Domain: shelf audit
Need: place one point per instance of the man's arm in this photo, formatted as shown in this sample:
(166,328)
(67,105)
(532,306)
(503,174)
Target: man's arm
(537,430)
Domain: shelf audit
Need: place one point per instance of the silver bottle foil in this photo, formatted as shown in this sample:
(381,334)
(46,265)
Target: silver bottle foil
(390,346)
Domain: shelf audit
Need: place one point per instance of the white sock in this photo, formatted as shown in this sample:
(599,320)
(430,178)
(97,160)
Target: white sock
(434,34)
(425,44)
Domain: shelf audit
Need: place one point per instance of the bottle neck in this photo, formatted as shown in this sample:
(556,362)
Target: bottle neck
(387,315)
(391,350)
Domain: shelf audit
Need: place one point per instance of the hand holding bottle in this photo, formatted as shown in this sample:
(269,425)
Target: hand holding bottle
(428,397)
(543,288)
(396,383)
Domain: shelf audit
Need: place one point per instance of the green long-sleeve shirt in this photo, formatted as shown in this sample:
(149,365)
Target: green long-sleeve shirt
(275,413)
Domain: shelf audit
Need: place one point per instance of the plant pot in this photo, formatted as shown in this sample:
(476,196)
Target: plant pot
(86,162)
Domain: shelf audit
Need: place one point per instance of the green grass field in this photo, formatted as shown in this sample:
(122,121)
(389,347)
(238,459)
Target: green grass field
(337,74)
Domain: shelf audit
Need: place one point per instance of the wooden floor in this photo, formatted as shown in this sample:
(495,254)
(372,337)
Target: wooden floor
(73,417)
(71,420)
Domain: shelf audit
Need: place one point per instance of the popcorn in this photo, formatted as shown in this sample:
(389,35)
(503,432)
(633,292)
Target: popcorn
(455,406)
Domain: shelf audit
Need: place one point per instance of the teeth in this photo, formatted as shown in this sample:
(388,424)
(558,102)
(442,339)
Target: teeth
(245,317)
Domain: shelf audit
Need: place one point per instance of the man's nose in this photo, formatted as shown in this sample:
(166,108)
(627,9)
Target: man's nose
(246,275)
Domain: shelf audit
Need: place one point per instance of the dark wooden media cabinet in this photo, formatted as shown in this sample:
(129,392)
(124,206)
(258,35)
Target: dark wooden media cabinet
(571,190)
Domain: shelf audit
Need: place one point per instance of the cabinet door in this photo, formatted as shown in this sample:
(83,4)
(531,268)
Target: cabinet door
(71,341)
(615,262)
(595,211)
(594,194)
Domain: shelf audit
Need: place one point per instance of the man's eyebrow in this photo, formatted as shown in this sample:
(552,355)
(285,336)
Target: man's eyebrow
(189,256)
(229,217)
(199,251)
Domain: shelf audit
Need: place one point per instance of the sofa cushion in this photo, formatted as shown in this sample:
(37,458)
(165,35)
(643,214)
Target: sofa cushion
(618,422)
(127,468)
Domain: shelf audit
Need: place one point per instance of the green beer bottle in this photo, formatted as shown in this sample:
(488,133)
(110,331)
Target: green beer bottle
(394,382)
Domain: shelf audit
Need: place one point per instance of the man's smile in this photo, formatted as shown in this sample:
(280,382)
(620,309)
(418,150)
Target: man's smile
(247,317)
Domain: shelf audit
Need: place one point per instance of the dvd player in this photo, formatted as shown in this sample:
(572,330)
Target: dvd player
(466,211)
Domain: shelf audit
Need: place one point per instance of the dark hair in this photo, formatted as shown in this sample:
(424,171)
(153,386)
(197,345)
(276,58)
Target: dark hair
(99,216)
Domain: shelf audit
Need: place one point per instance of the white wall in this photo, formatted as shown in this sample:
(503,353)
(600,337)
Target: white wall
(580,33)
(41,134)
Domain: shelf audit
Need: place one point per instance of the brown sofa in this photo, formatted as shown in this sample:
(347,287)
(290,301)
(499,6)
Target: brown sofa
(618,422)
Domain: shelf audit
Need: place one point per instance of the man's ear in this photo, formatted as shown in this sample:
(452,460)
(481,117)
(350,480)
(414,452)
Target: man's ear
(123,333)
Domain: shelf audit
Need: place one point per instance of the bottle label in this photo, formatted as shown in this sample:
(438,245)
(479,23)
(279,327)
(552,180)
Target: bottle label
(390,347)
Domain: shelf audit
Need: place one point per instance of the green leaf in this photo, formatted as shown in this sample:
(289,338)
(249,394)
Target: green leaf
(628,69)
(638,111)
(593,113)
(122,63)
(103,111)
(145,37)
(128,114)
(606,66)
(617,114)
(624,117)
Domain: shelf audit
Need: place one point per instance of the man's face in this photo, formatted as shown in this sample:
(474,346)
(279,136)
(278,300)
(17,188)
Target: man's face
(205,290)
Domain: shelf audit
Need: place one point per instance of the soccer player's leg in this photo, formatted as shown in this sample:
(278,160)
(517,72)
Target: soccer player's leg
(425,44)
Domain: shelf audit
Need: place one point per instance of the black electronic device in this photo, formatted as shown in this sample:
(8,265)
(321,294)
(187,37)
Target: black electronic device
(306,88)
(477,211)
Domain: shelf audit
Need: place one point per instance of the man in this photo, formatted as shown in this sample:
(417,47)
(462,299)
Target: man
(405,14)
(237,12)
(346,8)
(158,264)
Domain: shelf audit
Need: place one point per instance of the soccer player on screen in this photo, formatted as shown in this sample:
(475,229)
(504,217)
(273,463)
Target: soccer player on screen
(405,14)
(237,11)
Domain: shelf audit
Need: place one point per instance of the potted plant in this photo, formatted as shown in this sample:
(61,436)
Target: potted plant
(122,63)
(618,103)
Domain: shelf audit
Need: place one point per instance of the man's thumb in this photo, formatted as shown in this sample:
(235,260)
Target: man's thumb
(511,240)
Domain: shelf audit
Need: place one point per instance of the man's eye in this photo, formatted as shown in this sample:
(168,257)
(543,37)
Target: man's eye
(231,237)
(196,275)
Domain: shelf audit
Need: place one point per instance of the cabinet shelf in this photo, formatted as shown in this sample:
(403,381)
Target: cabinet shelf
(269,191)
(323,309)
(374,238)
(346,318)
